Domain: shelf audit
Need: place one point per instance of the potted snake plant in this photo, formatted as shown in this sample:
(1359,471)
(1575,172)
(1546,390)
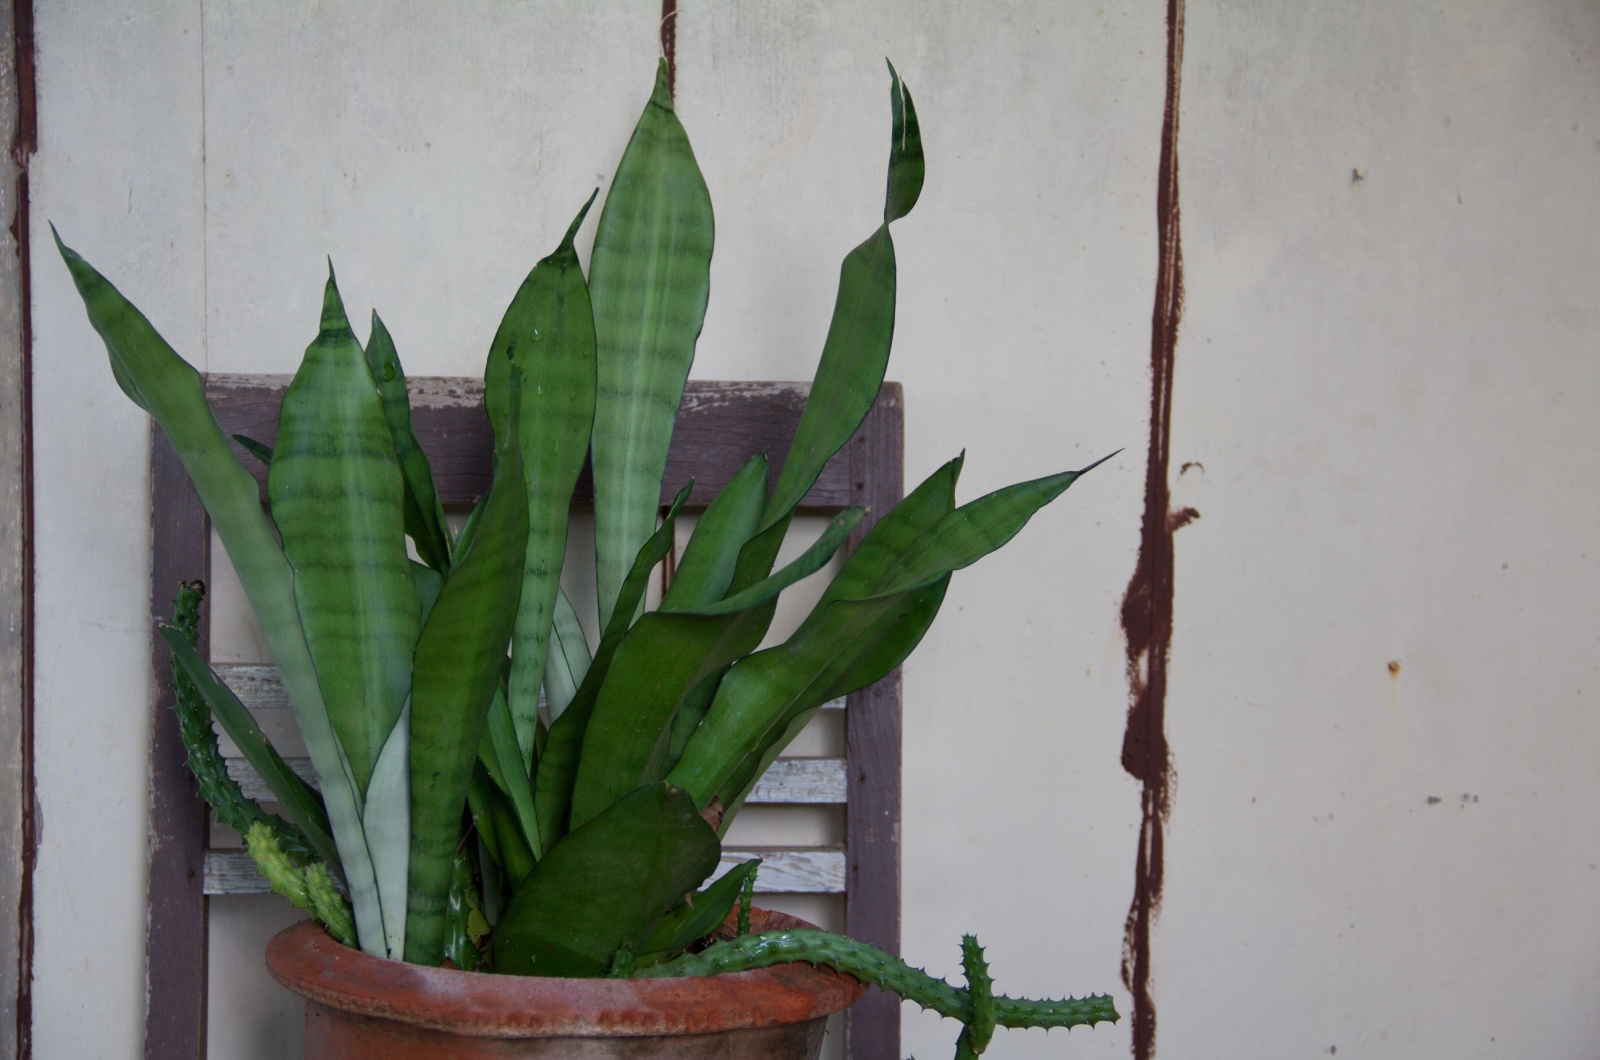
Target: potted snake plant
(461,820)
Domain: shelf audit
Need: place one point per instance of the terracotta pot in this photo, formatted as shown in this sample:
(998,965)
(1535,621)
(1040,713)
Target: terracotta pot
(360,1007)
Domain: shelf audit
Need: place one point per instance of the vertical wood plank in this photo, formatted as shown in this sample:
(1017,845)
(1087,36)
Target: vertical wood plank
(18,841)
(175,941)
(872,744)
(17,837)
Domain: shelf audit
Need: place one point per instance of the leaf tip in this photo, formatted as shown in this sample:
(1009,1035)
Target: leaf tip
(662,96)
(577,223)
(1097,463)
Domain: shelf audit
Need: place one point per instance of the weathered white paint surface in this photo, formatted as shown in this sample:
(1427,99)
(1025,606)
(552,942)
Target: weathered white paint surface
(1389,382)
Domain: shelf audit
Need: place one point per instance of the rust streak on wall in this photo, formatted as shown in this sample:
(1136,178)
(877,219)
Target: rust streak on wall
(1147,606)
(669,44)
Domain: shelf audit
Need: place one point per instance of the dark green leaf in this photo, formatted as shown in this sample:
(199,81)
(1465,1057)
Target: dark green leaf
(906,166)
(606,885)
(706,569)
(558,761)
(458,664)
(649,277)
(424,514)
(693,921)
(548,334)
(664,657)
(337,500)
(256,449)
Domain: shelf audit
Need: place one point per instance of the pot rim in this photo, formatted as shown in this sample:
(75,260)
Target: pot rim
(306,960)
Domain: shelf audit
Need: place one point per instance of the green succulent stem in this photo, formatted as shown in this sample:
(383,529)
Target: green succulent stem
(882,969)
(234,809)
(309,888)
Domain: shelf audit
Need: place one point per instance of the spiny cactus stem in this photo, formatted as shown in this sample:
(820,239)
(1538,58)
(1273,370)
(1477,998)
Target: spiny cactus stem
(870,964)
(217,786)
(980,990)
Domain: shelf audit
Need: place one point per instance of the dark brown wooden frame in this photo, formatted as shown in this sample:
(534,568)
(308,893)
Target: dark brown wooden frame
(719,427)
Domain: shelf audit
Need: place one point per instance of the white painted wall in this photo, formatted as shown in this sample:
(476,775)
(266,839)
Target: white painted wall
(1389,383)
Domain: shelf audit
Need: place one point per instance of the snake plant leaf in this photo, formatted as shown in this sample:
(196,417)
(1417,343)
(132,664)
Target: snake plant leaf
(690,714)
(558,760)
(256,449)
(429,582)
(706,568)
(891,537)
(496,821)
(163,384)
(386,819)
(883,644)
(459,659)
(906,166)
(692,921)
(337,499)
(569,657)
(502,757)
(300,802)
(649,277)
(606,885)
(855,353)
(763,693)
(548,334)
(661,660)
(424,512)
(976,529)
(850,642)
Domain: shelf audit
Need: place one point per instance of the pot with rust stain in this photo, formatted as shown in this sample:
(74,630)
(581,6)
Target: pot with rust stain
(360,1007)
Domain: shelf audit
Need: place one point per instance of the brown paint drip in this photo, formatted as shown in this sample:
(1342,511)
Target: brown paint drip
(22,148)
(669,44)
(1147,606)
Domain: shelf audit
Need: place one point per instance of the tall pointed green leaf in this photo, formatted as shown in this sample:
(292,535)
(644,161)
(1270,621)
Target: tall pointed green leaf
(706,568)
(165,386)
(337,499)
(459,660)
(694,919)
(976,529)
(424,514)
(569,658)
(558,762)
(855,353)
(763,693)
(650,278)
(851,641)
(502,757)
(906,166)
(662,659)
(891,537)
(548,333)
(606,885)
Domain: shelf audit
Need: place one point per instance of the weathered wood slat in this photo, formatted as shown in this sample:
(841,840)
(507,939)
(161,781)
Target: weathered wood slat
(260,689)
(720,426)
(175,912)
(793,870)
(787,782)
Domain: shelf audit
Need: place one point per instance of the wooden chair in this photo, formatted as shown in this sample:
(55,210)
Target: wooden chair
(719,427)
